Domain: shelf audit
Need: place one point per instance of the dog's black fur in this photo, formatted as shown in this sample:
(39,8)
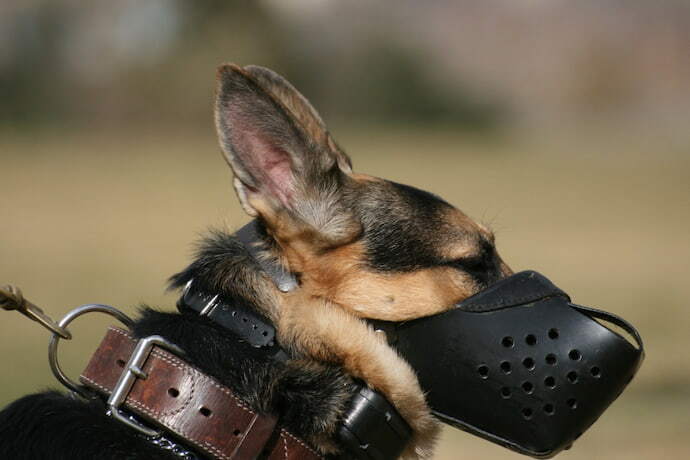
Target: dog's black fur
(310,396)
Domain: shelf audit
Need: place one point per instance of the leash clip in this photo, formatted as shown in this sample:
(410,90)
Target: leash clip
(11,298)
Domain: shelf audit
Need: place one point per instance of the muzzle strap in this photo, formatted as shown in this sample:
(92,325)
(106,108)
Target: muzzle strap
(521,288)
(613,319)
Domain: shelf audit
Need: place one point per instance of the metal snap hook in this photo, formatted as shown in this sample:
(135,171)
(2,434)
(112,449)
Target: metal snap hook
(62,324)
(11,298)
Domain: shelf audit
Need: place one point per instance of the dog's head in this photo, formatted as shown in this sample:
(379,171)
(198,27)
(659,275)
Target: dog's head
(379,249)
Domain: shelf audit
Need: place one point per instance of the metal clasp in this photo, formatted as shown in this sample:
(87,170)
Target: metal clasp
(133,371)
(55,340)
(11,298)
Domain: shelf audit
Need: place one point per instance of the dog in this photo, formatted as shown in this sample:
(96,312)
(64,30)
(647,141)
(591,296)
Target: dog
(360,247)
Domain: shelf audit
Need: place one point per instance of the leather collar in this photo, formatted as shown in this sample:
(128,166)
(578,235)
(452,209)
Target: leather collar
(171,394)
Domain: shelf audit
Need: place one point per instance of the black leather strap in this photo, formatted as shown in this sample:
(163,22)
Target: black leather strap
(521,288)
(613,319)
(239,319)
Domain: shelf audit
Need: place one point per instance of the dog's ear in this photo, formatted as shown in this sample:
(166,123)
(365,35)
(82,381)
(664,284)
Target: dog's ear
(301,109)
(285,163)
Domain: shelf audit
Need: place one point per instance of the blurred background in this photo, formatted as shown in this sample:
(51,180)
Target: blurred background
(563,125)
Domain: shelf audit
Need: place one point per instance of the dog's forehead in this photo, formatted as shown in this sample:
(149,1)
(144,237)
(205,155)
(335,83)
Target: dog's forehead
(405,228)
(380,203)
(383,203)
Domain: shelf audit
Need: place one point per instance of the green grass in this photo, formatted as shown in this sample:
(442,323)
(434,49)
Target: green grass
(107,217)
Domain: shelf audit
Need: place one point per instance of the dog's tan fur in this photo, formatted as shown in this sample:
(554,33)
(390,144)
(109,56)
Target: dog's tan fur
(265,125)
(334,335)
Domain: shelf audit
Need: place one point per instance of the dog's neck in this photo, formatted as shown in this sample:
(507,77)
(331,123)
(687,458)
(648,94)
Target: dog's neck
(258,243)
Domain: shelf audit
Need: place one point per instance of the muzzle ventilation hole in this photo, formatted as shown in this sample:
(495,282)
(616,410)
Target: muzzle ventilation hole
(483,371)
(528,363)
(507,342)
(553,333)
(572,377)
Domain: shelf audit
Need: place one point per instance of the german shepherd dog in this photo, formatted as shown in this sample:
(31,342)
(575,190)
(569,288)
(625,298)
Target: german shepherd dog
(361,247)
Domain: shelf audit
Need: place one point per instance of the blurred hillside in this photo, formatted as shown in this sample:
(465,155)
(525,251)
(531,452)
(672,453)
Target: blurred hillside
(474,64)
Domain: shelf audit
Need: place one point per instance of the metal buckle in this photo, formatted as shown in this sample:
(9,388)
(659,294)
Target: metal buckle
(208,307)
(133,371)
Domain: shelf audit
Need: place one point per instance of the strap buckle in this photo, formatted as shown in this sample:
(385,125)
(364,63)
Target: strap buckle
(134,370)
(373,429)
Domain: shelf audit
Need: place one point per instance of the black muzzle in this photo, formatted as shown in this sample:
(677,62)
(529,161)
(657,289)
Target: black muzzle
(519,364)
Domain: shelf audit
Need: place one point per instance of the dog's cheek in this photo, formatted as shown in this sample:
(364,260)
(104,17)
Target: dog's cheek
(401,296)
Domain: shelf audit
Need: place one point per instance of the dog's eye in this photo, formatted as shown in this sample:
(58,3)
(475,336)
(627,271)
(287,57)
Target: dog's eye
(477,265)
(470,264)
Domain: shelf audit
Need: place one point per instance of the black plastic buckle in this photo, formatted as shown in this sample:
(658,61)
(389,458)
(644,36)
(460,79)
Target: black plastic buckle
(373,429)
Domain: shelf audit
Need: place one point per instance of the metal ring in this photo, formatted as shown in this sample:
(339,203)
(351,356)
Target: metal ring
(55,339)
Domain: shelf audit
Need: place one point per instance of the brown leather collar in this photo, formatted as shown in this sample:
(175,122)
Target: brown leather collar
(202,413)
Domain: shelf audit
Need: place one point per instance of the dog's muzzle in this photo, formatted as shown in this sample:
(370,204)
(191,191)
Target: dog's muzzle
(519,364)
